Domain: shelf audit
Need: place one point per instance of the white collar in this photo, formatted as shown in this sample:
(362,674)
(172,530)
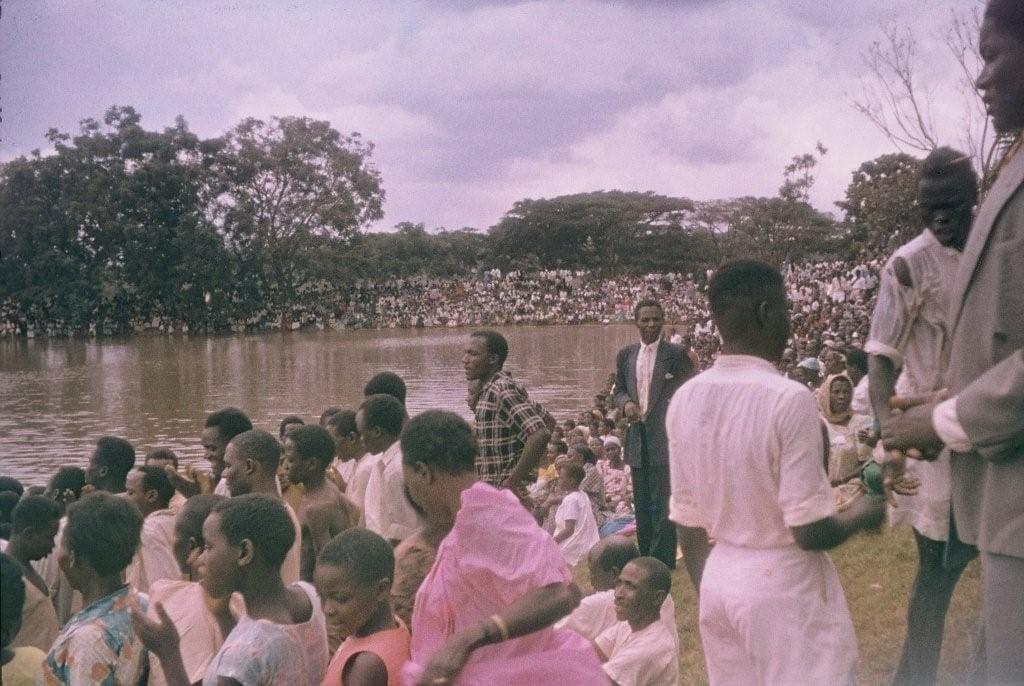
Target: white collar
(744,362)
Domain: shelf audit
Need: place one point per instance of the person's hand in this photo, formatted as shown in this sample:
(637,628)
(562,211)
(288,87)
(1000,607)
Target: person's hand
(334,476)
(868,437)
(912,429)
(187,487)
(160,635)
(631,411)
(447,662)
(895,478)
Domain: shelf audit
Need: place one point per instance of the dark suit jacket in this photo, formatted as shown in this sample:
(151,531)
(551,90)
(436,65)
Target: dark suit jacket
(672,367)
(986,370)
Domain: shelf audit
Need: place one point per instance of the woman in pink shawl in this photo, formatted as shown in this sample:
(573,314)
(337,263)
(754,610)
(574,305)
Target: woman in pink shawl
(484,612)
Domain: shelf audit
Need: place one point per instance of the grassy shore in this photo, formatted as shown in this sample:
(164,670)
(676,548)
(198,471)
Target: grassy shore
(877,571)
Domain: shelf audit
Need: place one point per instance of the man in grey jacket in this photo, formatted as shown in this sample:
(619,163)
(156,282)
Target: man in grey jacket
(982,424)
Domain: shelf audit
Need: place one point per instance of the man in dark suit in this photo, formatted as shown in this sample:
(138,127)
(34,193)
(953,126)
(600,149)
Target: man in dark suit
(982,424)
(647,375)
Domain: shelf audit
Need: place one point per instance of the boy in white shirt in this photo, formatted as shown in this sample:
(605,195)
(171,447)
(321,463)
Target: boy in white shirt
(575,526)
(639,650)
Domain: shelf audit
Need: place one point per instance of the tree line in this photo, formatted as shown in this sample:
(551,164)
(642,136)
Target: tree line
(121,224)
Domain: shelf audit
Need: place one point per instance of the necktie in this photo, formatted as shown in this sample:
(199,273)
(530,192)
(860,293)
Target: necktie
(644,363)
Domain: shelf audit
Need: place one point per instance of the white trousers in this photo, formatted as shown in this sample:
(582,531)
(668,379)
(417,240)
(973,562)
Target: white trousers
(775,617)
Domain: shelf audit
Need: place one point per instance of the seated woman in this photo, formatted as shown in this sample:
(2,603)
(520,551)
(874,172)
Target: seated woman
(485,610)
(97,645)
(618,488)
(846,453)
(353,576)
(282,638)
(200,619)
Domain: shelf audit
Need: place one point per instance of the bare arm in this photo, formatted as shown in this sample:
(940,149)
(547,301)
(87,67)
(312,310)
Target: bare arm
(824,534)
(881,385)
(568,530)
(533,450)
(536,610)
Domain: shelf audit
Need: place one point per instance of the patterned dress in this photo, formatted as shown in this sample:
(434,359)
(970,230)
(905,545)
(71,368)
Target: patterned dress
(98,645)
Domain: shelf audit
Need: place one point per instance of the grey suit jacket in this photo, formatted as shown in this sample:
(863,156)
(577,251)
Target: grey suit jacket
(986,370)
(671,368)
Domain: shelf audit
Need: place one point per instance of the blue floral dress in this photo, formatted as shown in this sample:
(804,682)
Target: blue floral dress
(98,646)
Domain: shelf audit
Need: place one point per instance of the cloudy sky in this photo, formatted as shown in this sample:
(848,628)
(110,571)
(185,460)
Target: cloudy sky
(474,105)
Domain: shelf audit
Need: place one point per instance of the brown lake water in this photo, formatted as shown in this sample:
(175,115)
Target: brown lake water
(58,396)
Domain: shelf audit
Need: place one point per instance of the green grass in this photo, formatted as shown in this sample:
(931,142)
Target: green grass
(877,571)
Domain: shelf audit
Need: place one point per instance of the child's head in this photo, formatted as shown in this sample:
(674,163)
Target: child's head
(12,595)
(245,535)
(353,576)
(188,532)
(570,476)
(100,538)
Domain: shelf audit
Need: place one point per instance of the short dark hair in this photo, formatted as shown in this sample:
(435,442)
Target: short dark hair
(34,511)
(1007,15)
(585,452)
(857,359)
(263,520)
(736,288)
(189,522)
(289,419)
(116,454)
(646,302)
(260,446)
(12,592)
(440,439)
(313,442)
(230,421)
(494,343)
(387,383)
(156,479)
(344,422)
(383,411)
(573,471)
(68,479)
(364,554)
(327,414)
(561,447)
(616,552)
(9,483)
(659,576)
(954,170)
(162,454)
(104,530)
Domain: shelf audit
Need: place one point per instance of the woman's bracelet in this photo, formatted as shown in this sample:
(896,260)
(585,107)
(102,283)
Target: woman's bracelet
(502,626)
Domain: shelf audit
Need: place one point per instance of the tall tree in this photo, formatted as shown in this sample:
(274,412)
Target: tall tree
(881,201)
(284,188)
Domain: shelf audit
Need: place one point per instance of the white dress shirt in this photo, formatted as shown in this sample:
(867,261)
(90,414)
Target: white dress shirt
(645,359)
(387,512)
(154,559)
(745,454)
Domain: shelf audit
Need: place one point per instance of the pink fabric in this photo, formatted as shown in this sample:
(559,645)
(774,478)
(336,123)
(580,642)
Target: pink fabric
(493,556)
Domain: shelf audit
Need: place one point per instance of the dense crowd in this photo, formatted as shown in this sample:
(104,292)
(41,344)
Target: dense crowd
(494,298)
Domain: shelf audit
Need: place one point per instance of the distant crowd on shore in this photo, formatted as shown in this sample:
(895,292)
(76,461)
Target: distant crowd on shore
(493,298)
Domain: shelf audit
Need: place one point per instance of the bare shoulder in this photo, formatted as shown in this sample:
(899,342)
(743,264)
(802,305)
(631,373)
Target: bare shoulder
(365,669)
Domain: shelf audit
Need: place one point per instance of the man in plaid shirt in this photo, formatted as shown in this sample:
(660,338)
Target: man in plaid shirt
(510,428)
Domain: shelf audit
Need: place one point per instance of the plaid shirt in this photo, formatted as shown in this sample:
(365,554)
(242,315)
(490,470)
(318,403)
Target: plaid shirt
(505,418)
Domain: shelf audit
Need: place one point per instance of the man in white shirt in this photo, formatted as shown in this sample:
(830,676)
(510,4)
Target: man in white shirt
(639,650)
(386,511)
(908,331)
(351,462)
(746,448)
(596,612)
(251,460)
(150,490)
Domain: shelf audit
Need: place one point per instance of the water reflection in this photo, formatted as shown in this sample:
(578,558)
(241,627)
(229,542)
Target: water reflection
(57,397)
